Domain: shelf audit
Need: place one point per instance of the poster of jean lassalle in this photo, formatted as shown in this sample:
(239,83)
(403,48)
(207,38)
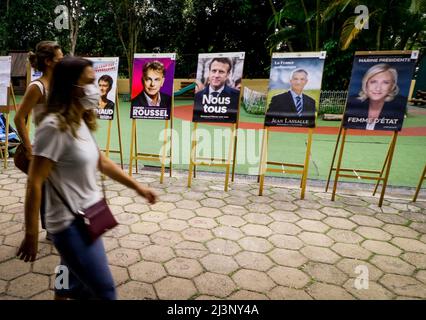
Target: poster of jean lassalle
(152,86)
(378,90)
(5,70)
(217,95)
(106,72)
(294,89)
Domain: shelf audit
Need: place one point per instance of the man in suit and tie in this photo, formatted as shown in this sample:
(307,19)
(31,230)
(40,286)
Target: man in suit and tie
(217,101)
(293,104)
(153,76)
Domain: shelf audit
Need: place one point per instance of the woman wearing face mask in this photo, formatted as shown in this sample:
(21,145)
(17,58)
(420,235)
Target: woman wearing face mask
(66,156)
(46,55)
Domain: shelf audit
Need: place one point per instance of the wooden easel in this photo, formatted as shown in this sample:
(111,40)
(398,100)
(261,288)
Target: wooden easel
(135,155)
(210,161)
(263,168)
(108,143)
(234,158)
(355,175)
(422,178)
(4,146)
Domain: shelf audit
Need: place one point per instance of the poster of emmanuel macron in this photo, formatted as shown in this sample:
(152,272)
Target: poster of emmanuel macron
(217,97)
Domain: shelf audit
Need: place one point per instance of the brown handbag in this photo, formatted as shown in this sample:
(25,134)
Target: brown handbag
(95,220)
(20,159)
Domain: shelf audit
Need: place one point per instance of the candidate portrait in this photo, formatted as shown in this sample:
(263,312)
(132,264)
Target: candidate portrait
(105,85)
(378,106)
(153,76)
(293,103)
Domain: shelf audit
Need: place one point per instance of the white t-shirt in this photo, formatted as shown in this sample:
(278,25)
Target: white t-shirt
(39,108)
(74,171)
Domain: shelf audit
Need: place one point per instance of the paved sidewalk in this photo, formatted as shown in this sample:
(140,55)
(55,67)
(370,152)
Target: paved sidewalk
(203,243)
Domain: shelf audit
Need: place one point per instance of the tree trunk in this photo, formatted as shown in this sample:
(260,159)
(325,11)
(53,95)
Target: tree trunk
(308,25)
(317,29)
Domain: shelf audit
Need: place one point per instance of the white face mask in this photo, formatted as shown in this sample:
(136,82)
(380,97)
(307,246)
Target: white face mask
(91,97)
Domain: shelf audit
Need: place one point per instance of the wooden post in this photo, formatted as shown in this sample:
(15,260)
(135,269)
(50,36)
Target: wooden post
(422,178)
(231,155)
(263,159)
(334,156)
(132,141)
(171,136)
(108,138)
(192,153)
(117,111)
(383,168)
(306,165)
(163,156)
(339,162)
(385,181)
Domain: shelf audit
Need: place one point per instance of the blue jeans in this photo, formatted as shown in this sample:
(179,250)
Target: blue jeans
(89,273)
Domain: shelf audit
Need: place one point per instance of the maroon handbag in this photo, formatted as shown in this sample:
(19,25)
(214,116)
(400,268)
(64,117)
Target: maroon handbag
(95,220)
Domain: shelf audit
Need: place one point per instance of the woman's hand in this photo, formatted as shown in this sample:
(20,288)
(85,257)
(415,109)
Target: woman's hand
(28,249)
(148,194)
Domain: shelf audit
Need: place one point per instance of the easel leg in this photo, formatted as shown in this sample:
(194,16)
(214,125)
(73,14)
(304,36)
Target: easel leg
(334,157)
(385,180)
(261,155)
(192,153)
(383,169)
(117,111)
(163,156)
(6,149)
(108,139)
(263,160)
(171,140)
(422,177)
(339,162)
(230,156)
(306,166)
(132,141)
(234,158)
(136,148)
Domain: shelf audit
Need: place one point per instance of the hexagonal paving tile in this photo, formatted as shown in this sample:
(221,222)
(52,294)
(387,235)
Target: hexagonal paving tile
(236,201)
(253,260)
(289,277)
(157,253)
(202,222)
(219,263)
(183,267)
(258,218)
(215,284)
(320,254)
(247,295)
(284,216)
(256,230)
(344,236)
(13,268)
(173,225)
(380,247)
(393,265)
(153,216)
(323,291)
(135,290)
(123,257)
(165,206)
(339,223)
(411,245)
(28,285)
(46,265)
(307,204)
(183,214)
(166,238)
(285,242)
(7,252)
(351,267)
(351,251)
(145,271)
(212,203)
(366,221)
(255,244)
(188,204)
(289,258)
(145,227)
(134,241)
(336,212)
(136,208)
(234,210)
(374,291)
(404,286)
(253,280)
(119,274)
(284,228)
(230,220)
(416,259)
(373,233)
(120,201)
(315,239)
(197,234)
(312,225)
(284,293)
(193,250)
(310,214)
(208,212)
(325,273)
(229,233)
(221,246)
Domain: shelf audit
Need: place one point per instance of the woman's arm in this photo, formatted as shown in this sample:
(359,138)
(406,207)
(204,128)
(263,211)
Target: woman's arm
(40,168)
(114,172)
(31,97)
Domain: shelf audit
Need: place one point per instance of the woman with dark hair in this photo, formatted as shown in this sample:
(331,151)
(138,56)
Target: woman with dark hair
(46,55)
(65,156)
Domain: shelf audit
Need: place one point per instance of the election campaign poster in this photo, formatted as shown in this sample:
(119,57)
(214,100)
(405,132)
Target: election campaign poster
(378,90)
(106,71)
(294,89)
(152,86)
(5,71)
(217,97)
